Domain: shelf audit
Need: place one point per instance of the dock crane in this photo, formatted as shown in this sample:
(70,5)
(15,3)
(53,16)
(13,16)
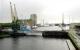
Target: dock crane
(15,22)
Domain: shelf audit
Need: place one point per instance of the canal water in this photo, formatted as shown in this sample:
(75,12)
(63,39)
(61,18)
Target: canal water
(33,43)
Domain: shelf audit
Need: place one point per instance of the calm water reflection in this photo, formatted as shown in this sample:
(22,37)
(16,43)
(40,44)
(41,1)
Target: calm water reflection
(33,43)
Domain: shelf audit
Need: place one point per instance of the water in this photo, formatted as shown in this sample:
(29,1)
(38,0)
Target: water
(33,43)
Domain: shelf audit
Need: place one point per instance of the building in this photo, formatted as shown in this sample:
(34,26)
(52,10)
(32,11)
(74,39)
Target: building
(33,17)
(31,22)
(26,22)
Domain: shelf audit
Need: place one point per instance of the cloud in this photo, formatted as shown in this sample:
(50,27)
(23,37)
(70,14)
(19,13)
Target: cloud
(43,8)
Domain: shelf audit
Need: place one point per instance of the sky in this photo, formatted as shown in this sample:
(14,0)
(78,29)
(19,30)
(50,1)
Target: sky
(51,11)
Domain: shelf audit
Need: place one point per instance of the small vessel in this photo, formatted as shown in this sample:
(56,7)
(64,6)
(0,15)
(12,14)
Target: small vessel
(58,34)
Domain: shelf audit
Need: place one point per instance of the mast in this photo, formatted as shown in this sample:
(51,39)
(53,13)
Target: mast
(69,20)
(63,20)
(43,22)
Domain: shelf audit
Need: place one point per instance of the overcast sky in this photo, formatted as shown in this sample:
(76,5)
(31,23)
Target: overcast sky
(50,11)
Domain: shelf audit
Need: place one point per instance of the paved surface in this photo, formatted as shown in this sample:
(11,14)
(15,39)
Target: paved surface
(34,43)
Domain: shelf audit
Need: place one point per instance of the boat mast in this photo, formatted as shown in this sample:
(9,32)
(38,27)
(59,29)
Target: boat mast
(63,22)
(43,21)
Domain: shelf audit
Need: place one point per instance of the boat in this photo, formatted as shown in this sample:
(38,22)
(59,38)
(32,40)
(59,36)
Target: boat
(58,34)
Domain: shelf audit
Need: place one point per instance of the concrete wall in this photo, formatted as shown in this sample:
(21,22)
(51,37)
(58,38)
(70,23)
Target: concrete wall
(73,36)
